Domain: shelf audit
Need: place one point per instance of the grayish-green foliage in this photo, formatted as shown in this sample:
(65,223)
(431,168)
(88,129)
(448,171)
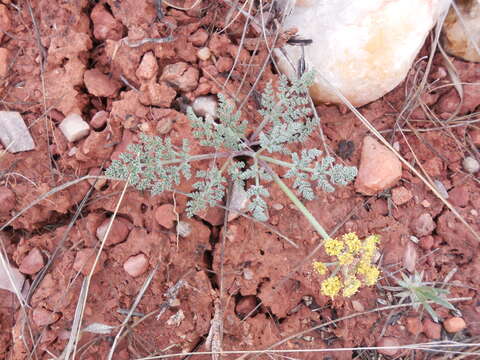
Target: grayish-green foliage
(156,165)
(152,165)
(422,293)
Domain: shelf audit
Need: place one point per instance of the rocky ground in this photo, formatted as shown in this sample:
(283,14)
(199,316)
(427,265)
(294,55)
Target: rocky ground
(89,58)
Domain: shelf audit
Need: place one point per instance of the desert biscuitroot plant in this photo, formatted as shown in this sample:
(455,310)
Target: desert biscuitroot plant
(156,165)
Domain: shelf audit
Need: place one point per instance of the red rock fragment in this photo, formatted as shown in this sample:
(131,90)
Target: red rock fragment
(4,64)
(7,200)
(389,342)
(181,76)
(454,324)
(118,232)
(99,120)
(401,195)
(157,94)
(136,265)
(5,20)
(148,67)
(43,317)
(85,259)
(423,225)
(379,168)
(105,26)
(432,329)
(99,84)
(32,263)
(426,242)
(199,37)
(414,325)
(165,216)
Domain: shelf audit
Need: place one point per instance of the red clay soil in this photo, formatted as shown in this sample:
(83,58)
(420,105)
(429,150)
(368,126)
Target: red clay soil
(82,56)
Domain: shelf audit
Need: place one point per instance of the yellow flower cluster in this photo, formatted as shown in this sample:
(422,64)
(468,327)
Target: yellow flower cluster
(354,264)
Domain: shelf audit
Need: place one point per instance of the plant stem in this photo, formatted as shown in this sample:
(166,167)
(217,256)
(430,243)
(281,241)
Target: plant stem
(280,162)
(296,201)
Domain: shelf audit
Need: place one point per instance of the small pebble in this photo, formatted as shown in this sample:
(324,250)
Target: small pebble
(414,325)
(148,67)
(136,265)
(99,120)
(43,317)
(117,234)
(85,259)
(32,263)
(238,203)
(471,165)
(7,199)
(401,195)
(390,342)
(164,126)
(358,306)
(432,329)
(14,134)
(165,216)
(74,127)
(205,105)
(204,53)
(423,225)
(277,206)
(454,324)
(184,229)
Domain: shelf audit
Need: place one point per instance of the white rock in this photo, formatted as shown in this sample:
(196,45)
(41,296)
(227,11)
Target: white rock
(9,274)
(14,134)
(74,127)
(184,229)
(363,48)
(461,37)
(205,105)
(203,53)
(471,165)
(238,203)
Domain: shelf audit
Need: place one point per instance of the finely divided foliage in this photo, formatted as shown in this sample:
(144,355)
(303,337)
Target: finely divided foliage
(156,165)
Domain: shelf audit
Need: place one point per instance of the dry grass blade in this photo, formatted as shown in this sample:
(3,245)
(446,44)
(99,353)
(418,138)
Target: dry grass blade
(139,297)
(71,345)
(46,195)
(214,338)
(82,302)
(430,347)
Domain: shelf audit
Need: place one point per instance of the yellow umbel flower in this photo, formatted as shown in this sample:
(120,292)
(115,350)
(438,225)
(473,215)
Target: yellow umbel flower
(351,286)
(370,245)
(320,267)
(345,258)
(331,286)
(333,247)
(371,275)
(353,242)
(363,266)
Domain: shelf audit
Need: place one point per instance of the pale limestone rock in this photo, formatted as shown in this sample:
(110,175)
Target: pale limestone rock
(74,127)
(14,134)
(461,36)
(363,48)
(205,105)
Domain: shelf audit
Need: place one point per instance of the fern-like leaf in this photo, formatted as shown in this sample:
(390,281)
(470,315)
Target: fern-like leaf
(208,192)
